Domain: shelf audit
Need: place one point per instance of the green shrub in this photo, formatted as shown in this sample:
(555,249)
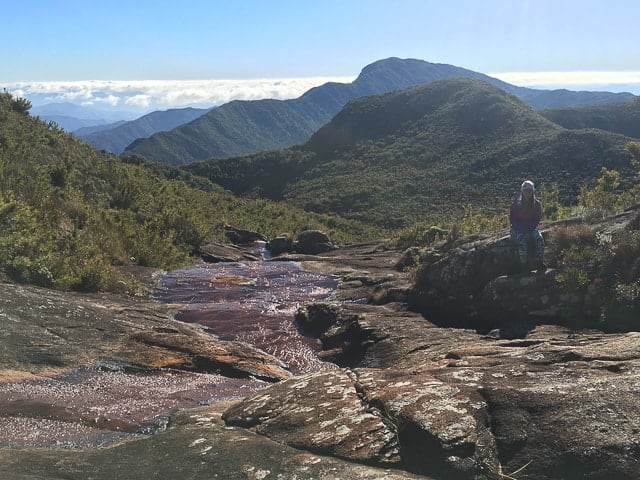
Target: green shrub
(473,221)
(605,197)
(552,207)
(610,264)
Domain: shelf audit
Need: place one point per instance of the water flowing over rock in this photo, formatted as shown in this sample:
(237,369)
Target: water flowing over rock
(406,395)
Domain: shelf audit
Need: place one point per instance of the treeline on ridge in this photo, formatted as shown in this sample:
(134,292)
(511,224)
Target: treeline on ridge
(425,154)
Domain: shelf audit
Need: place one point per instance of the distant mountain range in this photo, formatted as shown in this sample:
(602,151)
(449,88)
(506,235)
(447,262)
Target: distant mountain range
(424,153)
(71,116)
(244,127)
(622,118)
(115,139)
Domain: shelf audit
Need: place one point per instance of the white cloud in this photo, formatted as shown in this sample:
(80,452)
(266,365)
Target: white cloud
(610,81)
(140,101)
(110,100)
(144,96)
(161,94)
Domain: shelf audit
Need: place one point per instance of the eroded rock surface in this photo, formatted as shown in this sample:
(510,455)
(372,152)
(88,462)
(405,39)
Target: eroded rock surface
(475,282)
(458,404)
(408,398)
(197,446)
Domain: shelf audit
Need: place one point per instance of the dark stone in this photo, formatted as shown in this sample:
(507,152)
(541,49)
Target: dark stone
(239,236)
(215,252)
(280,244)
(312,242)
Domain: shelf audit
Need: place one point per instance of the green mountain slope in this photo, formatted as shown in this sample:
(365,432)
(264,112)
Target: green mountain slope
(240,128)
(232,129)
(622,118)
(424,153)
(116,138)
(73,217)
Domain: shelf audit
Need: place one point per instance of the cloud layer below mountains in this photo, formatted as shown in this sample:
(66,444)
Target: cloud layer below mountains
(137,97)
(147,95)
(593,81)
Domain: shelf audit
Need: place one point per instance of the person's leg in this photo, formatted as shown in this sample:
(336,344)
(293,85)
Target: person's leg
(538,243)
(521,238)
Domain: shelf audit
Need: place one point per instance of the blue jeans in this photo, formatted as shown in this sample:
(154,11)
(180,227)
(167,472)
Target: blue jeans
(523,238)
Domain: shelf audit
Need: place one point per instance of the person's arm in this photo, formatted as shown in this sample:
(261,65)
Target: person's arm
(512,214)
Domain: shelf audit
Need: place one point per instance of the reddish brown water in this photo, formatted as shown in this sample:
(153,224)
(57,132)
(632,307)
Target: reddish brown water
(94,406)
(254,303)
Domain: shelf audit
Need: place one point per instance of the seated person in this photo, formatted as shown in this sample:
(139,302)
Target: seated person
(524,215)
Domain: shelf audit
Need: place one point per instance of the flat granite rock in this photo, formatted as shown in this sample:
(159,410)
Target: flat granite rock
(407,399)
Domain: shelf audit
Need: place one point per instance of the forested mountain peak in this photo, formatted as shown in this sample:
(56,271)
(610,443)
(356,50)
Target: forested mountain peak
(425,152)
(240,128)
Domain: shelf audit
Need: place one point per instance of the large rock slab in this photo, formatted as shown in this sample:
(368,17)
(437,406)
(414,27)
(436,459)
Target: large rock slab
(79,369)
(560,403)
(411,399)
(46,332)
(196,445)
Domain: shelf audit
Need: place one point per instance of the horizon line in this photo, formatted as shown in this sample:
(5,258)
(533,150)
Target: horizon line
(160,94)
(587,76)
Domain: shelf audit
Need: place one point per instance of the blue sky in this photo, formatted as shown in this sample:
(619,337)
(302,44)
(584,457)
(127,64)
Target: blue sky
(143,40)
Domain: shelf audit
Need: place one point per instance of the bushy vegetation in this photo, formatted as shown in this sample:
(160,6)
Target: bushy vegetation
(622,118)
(605,266)
(70,216)
(427,154)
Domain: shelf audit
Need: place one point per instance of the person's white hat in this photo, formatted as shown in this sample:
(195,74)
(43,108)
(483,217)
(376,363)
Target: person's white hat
(528,185)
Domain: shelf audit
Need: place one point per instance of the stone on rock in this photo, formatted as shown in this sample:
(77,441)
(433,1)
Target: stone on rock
(312,242)
(215,252)
(239,236)
(280,244)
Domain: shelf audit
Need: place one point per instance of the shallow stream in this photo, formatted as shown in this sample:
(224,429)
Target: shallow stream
(252,302)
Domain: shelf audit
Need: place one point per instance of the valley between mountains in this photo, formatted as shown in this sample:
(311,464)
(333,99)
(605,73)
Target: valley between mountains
(381,328)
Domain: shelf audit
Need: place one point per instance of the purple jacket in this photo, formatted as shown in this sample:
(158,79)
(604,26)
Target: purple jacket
(525,220)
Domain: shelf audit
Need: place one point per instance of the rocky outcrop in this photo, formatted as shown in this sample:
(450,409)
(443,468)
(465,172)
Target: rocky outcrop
(196,445)
(313,242)
(280,244)
(451,403)
(239,236)
(475,282)
(215,252)
(409,397)
(231,359)
(309,242)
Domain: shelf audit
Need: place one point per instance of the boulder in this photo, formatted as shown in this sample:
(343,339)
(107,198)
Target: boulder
(238,236)
(323,414)
(280,244)
(312,242)
(214,252)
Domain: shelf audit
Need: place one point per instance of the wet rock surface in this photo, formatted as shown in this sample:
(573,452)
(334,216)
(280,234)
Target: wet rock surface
(403,398)
(195,445)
